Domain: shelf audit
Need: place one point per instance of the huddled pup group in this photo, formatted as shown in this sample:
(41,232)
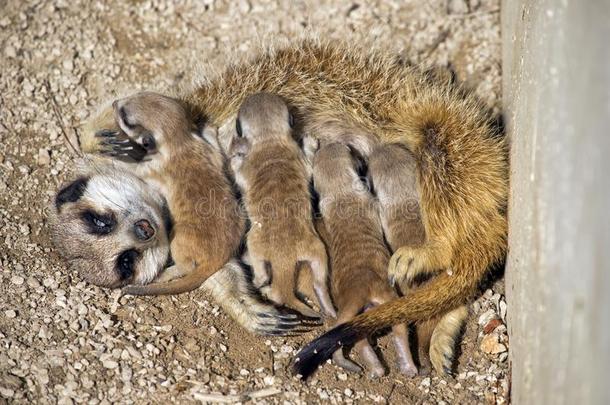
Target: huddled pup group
(411,184)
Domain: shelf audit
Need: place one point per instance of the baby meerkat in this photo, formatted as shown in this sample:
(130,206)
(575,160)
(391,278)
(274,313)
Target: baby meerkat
(271,170)
(208,226)
(358,255)
(392,173)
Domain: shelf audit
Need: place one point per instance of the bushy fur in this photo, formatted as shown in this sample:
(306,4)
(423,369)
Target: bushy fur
(362,98)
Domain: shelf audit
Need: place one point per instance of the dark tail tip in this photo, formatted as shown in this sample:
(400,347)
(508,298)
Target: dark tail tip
(322,348)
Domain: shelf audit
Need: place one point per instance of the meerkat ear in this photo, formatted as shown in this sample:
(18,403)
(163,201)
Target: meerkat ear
(72,192)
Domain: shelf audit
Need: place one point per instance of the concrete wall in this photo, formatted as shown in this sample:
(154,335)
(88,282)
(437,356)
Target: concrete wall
(557,101)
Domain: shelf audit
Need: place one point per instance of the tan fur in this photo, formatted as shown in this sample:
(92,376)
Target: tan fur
(461,162)
(207,224)
(274,177)
(392,174)
(359,257)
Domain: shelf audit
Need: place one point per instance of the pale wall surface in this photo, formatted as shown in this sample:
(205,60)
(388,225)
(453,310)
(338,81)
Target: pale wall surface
(557,101)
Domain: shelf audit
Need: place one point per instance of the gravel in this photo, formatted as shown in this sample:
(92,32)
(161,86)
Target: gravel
(64,341)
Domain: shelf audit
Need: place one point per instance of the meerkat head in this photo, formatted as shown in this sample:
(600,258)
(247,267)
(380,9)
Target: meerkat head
(153,121)
(337,167)
(111,227)
(261,117)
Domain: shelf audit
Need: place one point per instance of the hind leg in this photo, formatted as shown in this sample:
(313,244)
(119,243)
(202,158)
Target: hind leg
(437,337)
(369,357)
(444,339)
(400,336)
(346,315)
(401,343)
(319,270)
(346,364)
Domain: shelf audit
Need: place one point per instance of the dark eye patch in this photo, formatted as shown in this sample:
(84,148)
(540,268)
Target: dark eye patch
(99,224)
(72,192)
(126,262)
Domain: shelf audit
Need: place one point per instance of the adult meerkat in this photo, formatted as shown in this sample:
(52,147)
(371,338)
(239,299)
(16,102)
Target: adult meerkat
(392,173)
(274,177)
(200,197)
(114,229)
(359,258)
(363,99)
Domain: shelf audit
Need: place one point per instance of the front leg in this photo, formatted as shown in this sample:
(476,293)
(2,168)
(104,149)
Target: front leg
(171,273)
(407,263)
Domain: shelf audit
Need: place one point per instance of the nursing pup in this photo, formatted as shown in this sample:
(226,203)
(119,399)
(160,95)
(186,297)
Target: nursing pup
(392,173)
(274,177)
(207,224)
(359,257)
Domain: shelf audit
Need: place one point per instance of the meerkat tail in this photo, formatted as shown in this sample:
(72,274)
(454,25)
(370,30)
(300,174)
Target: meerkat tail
(187,283)
(441,295)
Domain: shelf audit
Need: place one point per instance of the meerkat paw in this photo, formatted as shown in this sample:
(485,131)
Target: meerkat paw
(115,144)
(171,273)
(405,264)
(445,338)
(235,295)
(265,319)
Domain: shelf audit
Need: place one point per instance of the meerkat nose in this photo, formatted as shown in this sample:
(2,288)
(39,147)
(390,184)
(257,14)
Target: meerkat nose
(144,230)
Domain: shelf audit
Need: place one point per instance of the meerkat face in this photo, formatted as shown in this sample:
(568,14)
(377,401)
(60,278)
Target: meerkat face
(261,117)
(152,121)
(112,228)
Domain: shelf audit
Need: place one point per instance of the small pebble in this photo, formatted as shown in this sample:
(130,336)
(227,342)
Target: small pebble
(17,280)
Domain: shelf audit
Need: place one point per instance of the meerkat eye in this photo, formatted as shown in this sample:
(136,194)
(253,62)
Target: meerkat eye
(291,120)
(238,128)
(99,224)
(148,142)
(125,263)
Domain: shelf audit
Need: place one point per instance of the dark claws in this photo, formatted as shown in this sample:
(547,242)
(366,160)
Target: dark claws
(106,133)
(129,151)
(280,316)
(282,325)
(116,142)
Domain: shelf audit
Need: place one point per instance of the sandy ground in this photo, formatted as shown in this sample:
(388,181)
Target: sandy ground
(64,341)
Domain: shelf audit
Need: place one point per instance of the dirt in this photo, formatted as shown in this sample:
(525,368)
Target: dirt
(65,341)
